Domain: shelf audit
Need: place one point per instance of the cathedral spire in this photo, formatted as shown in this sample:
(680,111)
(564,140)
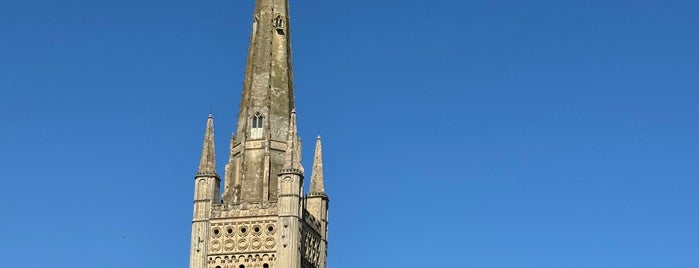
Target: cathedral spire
(263,211)
(207,164)
(268,87)
(317,177)
(261,137)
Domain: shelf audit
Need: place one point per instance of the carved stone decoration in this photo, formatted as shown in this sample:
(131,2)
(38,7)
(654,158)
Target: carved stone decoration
(229,244)
(215,232)
(256,243)
(215,245)
(270,242)
(270,229)
(256,230)
(242,244)
(230,231)
(243,230)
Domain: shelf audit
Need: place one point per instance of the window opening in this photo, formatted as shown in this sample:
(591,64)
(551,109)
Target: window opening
(257,123)
(279,24)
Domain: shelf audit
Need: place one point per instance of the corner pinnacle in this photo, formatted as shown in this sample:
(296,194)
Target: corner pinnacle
(292,156)
(317,176)
(207,163)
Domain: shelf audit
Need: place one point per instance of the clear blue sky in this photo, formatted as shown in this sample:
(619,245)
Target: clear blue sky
(456,133)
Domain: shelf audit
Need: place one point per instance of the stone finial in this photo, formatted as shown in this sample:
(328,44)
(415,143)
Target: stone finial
(317,176)
(207,164)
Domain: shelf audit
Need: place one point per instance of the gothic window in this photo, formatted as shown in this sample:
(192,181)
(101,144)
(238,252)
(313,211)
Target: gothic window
(256,130)
(257,120)
(279,24)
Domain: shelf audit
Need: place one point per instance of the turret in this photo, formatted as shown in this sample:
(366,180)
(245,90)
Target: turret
(206,189)
(290,181)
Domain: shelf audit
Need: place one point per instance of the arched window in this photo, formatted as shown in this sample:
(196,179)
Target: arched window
(265,265)
(256,130)
(241,266)
(257,120)
(279,24)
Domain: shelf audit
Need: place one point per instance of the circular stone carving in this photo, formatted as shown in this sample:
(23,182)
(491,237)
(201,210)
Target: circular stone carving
(270,229)
(229,244)
(230,231)
(257,230)
(242,244)
(256,243)
(216,245)
(270,243)
(243,230)
(216,232)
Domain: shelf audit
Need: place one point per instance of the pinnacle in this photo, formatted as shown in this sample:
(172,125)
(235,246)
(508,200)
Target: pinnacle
(207,163)
(317,183)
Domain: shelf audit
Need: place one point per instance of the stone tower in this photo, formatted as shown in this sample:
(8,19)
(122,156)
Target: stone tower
(262,219)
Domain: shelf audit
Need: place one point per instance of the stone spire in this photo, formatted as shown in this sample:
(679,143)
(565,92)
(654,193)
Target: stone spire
(317,177)
(268,85)
(259,143)
(292,157)
(207,164)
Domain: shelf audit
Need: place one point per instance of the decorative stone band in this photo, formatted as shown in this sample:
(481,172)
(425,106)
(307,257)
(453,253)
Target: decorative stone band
(207,174)
(322,195)
(296,171)
(243,206)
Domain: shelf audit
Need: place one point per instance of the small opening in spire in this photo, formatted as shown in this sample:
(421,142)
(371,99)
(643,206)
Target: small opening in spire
(279,24)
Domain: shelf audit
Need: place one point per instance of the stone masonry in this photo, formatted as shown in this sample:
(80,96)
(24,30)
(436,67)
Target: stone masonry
(262,219)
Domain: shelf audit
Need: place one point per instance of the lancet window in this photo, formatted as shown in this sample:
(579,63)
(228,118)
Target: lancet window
(279,24)
(256,130)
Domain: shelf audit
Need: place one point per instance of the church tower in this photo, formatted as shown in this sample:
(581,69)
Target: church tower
(262,219)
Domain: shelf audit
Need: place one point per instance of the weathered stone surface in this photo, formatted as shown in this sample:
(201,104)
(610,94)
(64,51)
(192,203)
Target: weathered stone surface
(262,220)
